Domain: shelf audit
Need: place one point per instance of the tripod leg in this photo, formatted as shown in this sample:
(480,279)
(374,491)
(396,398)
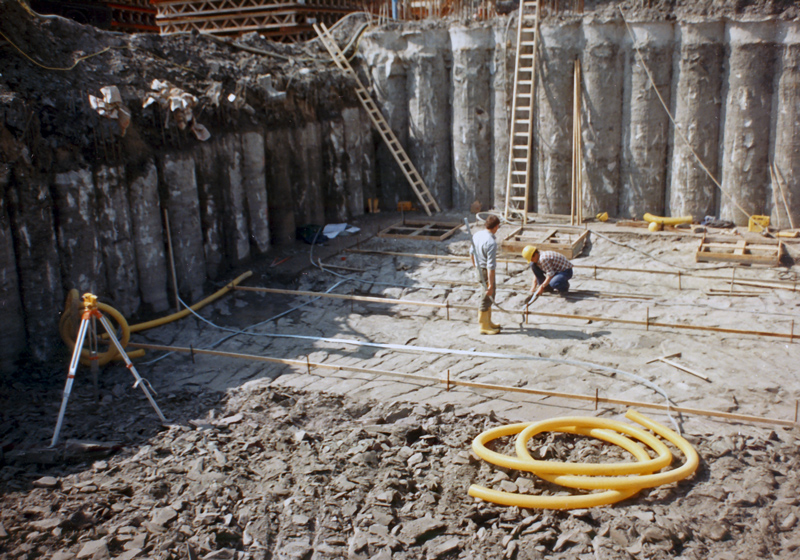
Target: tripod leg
(113,337)
(73,367)
(93,367)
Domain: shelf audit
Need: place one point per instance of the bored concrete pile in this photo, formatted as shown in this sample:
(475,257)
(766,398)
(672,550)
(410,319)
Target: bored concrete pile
(280,139)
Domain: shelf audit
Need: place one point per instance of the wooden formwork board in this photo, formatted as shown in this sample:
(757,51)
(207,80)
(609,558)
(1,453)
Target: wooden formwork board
(431,231)
(561,239)
(724,249)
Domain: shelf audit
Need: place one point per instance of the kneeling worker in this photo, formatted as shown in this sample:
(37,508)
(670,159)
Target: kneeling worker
(484,251)
(550,270)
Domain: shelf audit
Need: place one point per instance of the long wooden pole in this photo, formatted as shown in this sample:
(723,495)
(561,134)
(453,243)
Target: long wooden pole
(473,385)
(172,263)
(417,303)
(783,194)
(580,145)
(775,189)
(574,194)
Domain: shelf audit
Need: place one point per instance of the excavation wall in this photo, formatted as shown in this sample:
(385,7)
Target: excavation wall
(91,214)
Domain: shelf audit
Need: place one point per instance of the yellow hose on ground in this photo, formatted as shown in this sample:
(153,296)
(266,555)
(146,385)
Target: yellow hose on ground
(68,327)
(565,502)
(674,221)
(181,314)
(638,475)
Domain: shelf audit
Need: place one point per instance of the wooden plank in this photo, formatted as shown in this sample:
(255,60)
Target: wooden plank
(745,259)
(754,239)
(438,231)
(708,256)
(550,233)
(722,249)
(742,246)
(562,240)
(420,231)
(577,247)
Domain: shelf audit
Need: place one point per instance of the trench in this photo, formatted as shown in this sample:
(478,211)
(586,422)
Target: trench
(89,213)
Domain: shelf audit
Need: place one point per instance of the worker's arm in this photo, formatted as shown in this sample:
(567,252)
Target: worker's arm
(544,284)
(490,284)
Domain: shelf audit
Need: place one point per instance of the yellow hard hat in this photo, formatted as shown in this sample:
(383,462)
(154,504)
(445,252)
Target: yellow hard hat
(528,252)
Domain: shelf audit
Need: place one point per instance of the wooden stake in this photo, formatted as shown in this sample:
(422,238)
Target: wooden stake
(775,189)
(783,194)
(647,320)
(580,146)
(172,262)
(448,380)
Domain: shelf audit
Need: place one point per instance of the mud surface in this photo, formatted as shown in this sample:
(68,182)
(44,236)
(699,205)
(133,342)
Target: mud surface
(278,461)
(274,461)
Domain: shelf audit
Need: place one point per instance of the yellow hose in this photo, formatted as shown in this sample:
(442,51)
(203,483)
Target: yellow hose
(674,221)
(566,502)
(608,477)
(181,314)
(68,327)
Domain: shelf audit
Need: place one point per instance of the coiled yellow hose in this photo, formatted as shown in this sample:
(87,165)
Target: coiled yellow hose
(619,480)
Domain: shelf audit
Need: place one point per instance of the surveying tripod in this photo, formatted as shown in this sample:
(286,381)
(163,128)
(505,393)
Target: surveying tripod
(89,325)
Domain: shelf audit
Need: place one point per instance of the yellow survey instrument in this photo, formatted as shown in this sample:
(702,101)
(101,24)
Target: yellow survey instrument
(71,318)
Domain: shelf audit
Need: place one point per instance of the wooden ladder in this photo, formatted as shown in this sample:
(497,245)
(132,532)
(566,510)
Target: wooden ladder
(420,189)
(520,144)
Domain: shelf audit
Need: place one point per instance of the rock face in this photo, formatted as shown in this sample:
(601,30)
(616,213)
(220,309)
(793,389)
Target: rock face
(82,197)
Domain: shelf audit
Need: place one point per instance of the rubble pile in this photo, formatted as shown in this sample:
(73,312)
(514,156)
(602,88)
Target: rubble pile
(280,473)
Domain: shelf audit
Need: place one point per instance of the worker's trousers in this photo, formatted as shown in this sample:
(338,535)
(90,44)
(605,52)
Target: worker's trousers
(559,282)
(486,301)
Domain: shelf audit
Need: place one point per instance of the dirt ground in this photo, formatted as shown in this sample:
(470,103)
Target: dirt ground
(264,460)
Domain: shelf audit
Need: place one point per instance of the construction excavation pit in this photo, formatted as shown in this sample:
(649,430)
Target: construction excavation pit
(399,280)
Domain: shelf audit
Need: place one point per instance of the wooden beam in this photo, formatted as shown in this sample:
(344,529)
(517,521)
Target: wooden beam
(474,385)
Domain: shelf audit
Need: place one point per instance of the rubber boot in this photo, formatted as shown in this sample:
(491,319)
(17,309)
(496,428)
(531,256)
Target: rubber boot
(493,325)
(486,328)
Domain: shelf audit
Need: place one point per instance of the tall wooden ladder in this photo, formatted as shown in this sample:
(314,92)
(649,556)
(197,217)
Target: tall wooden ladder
(520,144)
(415,180)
